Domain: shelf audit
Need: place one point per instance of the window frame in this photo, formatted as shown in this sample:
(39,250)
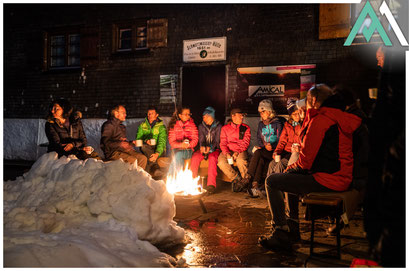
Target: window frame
(66,32)
(133,26)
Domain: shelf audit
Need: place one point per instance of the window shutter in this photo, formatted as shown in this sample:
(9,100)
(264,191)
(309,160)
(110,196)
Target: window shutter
(45,51)
(89,47)
(334,21)
(157,35)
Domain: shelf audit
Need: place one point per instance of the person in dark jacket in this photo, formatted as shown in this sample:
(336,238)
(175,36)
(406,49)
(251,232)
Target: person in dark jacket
(325,163)
(268,135)
(114,142)
(65,133)
(209,141)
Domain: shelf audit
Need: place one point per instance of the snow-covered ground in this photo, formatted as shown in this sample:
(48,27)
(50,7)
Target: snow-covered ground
(22,137)
(71,213)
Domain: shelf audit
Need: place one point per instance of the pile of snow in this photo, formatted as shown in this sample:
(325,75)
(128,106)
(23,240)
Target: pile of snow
(67,212)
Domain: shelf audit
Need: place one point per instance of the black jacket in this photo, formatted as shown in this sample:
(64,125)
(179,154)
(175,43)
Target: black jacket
(113,133)
(59,135)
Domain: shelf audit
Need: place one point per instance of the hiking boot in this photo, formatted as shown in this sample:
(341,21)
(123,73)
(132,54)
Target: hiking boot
(210,189)
(294,230)
(242,184)
(279,240)
(234,187)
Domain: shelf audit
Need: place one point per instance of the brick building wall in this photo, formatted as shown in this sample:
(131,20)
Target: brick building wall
(257,35)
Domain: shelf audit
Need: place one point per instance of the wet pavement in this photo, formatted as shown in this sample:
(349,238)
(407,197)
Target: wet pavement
(226,236)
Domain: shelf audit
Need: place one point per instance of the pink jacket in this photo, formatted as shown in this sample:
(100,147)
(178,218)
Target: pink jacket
(182,131)
(230,139)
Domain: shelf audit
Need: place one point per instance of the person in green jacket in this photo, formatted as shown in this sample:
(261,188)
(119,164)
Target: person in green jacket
(153,134)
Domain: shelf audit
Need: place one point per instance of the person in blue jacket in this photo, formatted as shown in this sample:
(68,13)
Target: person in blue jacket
(268,135)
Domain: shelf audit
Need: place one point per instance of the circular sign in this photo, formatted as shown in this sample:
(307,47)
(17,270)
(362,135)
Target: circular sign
(203,54)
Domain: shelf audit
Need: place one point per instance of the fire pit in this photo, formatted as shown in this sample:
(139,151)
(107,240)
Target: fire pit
(186,188)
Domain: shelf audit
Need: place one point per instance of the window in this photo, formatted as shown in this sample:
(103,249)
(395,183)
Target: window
(64,50)
(139,35)
(71,48)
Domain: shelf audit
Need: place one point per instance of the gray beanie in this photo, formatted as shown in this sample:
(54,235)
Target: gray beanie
(265,105)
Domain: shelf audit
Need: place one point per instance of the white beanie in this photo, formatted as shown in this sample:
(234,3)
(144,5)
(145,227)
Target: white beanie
(265,105)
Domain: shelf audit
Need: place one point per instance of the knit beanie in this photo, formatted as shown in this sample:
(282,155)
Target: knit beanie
(265,105)
(291,106)
(209,111)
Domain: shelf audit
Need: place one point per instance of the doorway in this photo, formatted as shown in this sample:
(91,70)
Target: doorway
(203,87)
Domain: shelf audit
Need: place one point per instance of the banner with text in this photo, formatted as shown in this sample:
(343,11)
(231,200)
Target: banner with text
(277,83)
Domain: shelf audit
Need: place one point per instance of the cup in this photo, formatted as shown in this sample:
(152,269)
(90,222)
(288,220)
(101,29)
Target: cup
(139,143)
(294,147)
(373,93)
(186,141)
(254,149)
(90,150)
(277,158)
(300,103)
(153,141)
(230,160)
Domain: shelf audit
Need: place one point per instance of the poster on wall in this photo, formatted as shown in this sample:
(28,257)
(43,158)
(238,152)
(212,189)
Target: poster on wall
(201,50)
(168,88)
(277,83)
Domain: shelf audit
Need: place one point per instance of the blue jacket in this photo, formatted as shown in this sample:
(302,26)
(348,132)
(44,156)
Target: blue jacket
(270,132)
(210,137)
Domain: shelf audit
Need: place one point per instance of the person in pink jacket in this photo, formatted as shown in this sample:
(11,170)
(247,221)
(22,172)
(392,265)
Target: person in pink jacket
(183,138)
(234,142)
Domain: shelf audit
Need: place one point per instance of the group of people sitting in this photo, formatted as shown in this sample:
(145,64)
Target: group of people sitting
(312,151)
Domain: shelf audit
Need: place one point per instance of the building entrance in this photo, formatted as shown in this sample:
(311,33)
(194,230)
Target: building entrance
(202,87)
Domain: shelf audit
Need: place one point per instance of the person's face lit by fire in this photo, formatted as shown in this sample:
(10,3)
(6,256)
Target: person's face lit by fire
(185,116)
(57,111)
(296,116)
(265,115)
(120,113)
(380,56)
(208,119)
(152,115)
(237,118)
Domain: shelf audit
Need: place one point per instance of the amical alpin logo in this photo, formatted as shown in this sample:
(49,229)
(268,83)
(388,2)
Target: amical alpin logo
(376,25)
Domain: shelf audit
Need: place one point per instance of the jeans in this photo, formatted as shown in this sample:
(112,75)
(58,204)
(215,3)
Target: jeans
(212,169)
(294,184)
(179,157)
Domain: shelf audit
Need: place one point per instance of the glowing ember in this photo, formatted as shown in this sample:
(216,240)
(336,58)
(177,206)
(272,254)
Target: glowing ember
(183,183)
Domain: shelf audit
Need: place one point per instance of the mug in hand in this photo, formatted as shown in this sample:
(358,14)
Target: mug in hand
(277,158)
(139,143)
(89,150)
(153,141)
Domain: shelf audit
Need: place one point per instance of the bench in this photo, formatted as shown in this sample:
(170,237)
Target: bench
(334,204)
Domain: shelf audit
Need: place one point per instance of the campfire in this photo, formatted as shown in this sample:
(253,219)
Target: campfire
(183,184)
(186,188)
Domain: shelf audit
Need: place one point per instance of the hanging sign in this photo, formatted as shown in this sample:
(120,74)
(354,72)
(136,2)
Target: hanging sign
(201,50)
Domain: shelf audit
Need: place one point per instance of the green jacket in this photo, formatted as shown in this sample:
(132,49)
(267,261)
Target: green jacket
(158,132)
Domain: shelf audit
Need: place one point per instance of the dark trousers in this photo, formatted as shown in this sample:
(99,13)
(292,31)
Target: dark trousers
(295,185)
(148,150)
(259,165)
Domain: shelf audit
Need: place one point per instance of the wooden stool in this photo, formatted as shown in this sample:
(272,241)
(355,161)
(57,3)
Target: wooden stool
(319,206)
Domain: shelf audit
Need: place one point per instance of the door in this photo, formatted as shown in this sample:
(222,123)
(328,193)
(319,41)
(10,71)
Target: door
(203,87)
